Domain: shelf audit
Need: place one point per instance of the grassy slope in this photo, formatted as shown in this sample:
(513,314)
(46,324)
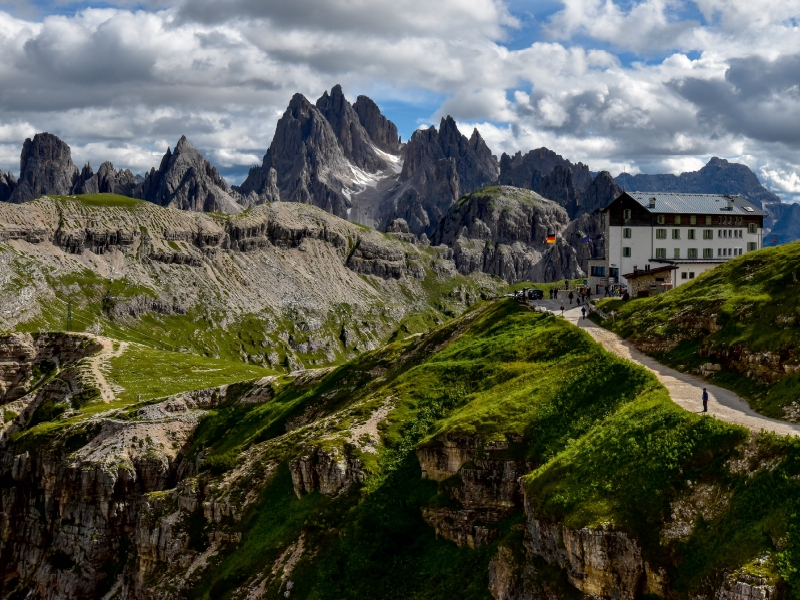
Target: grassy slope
(755,301)
(611,446)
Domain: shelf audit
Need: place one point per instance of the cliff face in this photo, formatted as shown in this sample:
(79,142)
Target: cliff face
(46,167)
(503,231)
(381,130)
(351,134)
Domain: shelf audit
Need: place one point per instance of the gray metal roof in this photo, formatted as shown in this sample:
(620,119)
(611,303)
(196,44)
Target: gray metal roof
(669,202)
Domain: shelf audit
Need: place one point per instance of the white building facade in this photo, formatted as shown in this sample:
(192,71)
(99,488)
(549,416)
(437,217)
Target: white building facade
(692,232)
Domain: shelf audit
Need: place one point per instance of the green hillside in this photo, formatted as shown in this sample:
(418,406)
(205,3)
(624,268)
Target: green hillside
(605,445)
(743,315)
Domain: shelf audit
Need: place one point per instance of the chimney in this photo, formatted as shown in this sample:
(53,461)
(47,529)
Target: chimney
(652,202)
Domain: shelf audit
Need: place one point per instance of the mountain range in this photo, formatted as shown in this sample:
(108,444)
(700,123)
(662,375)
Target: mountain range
(349,160)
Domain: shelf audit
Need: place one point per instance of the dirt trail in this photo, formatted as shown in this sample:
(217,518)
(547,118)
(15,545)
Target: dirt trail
(684,389)
(101,357)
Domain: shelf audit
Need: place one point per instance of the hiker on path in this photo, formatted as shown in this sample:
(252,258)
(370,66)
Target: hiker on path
(705,400)
(562,309)
(571,296)
(583,311)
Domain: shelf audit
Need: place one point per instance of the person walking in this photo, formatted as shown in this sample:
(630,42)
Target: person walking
(562,309)
(583,311)
(571,296)
(705,400)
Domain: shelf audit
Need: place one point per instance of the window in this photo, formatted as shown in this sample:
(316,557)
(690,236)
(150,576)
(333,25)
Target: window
(691,253)
(598,271)
(626,232)
(693,220)
(708,253)
(752,246)
(684,275)
(676,253)
(661,234)
(708,234)
(676,234)
(690,235)
(677,219)
(739,233)
(724,233)
(661,253)
(752,228)
(626,214)
(708,220)
(660,219)
(626,251)
(691,275)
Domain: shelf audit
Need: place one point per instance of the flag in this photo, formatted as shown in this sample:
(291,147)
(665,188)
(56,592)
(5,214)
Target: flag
(551,239)
(774,240)
(585,239)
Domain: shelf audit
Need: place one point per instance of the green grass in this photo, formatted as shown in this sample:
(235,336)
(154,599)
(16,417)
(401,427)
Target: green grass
(749,303)
(611,446)
(102,200)
(145,373)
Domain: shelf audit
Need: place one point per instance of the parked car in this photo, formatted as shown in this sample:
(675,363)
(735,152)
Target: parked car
(535,294)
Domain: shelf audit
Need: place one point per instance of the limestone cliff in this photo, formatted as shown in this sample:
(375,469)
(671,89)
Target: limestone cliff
(503,231)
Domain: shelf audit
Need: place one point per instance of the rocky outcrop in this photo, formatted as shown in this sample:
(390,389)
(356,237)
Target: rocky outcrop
(742,586)
(486,493)
(440,166)
(586,234)
(329,470)
(381,130)
(8,184)
(26,360)
(353,137)
(187,181)
(503,231)
(107,180)
(46,167)
(526,171)
(603,563)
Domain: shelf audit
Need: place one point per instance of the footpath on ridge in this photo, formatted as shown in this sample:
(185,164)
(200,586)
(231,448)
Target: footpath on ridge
(684,389)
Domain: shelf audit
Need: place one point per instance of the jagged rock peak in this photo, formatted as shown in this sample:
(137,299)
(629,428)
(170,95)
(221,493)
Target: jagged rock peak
(381,130)
(8,184)
(310,164)
(350,133)
(526,171)
(106,181)
(186,180)
(46,167)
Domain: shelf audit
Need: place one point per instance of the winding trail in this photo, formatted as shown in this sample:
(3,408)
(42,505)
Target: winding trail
(101,357)
(684,389)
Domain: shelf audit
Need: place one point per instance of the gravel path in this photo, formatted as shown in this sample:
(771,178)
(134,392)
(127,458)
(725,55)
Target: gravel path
(686,390)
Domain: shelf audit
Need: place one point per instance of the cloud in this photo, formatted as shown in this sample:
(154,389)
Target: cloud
(650,85)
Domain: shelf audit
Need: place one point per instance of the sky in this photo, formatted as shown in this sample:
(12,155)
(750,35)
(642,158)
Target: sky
(649,86)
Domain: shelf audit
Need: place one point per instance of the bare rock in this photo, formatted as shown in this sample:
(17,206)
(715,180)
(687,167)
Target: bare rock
(381,130)
(46,167)
(8,184)
(352,136)
(107,180)
(187,181)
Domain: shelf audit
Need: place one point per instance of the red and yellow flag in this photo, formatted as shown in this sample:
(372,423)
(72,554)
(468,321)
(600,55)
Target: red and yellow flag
(551,239)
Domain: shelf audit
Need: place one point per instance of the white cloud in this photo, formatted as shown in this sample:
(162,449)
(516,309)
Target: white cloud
(122,83)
